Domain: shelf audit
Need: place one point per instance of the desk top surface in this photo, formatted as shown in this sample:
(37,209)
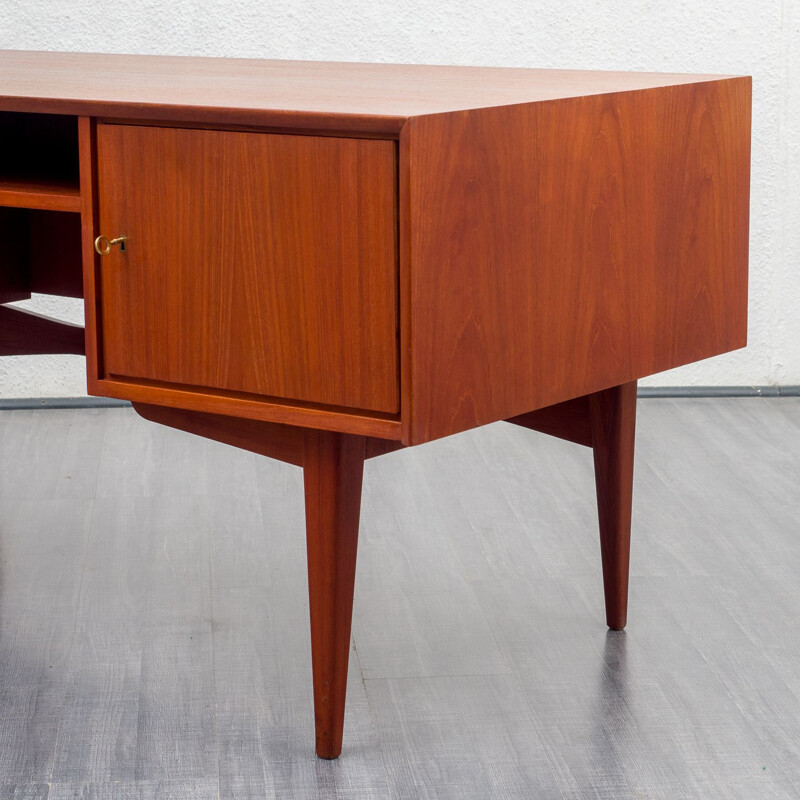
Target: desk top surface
(220,88)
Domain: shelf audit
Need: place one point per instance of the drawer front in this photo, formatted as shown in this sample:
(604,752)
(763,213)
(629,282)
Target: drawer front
(254,263)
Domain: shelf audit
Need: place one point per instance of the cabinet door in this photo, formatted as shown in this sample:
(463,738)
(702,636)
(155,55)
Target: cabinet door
(255,263)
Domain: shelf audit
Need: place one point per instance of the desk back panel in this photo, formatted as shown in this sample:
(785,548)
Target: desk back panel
(559,248)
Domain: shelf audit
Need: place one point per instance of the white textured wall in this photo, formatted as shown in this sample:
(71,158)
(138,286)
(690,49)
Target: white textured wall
(708,36)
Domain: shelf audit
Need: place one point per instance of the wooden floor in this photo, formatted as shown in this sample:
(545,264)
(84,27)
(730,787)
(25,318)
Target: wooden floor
(154,633)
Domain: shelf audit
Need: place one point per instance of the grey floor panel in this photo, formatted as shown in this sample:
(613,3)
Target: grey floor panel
(154,616)
(42,563)
(138,790)
(99,728)
(176,732)
(455,737)
(36,791)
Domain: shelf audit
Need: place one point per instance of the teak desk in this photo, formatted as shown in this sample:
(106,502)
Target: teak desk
(323,263)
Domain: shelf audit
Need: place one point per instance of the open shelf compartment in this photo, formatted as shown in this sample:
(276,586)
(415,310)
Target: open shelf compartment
(40,223)
(39,162)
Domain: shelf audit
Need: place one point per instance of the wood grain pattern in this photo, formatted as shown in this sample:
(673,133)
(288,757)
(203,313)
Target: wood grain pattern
(375,98)
(613,417)
(256,263)
(334,465)
(560,248)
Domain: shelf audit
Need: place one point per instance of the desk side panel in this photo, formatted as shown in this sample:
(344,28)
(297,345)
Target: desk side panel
(559,248)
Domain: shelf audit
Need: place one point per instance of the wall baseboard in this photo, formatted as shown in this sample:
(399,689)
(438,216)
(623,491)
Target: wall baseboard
(645,392)
(30,403)
(719,391)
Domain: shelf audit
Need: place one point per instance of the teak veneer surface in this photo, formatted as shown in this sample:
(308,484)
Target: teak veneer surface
(227,89)
(255,263)
(557,249)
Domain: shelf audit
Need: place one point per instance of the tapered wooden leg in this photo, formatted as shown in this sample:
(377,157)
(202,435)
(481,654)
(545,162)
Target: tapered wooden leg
(613,422)
(333,469)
